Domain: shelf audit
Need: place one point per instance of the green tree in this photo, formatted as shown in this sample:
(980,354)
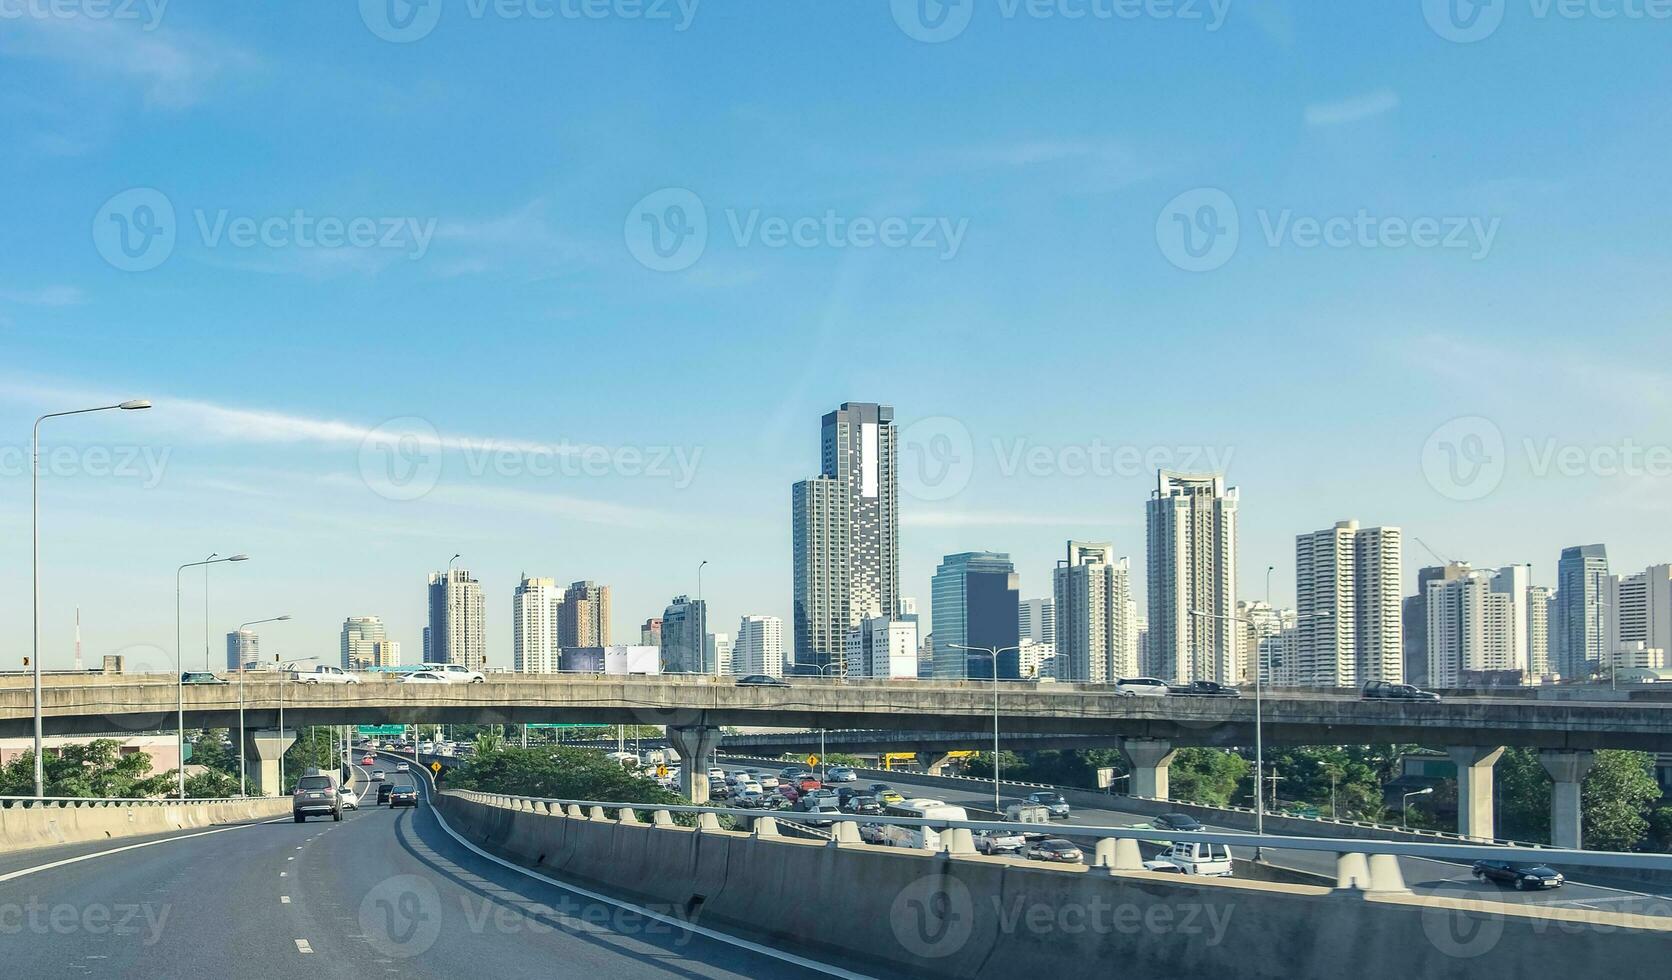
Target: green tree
(1660,829)
(211,784)
(95,769)
(1207,776)
(312,750)
(560,773)
(1616,798)
(209,749)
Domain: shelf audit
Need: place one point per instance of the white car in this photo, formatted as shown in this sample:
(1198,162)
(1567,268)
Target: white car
(423,677)
(1141,687)
(455,673)
(403,767)
(328,675)
(351,799)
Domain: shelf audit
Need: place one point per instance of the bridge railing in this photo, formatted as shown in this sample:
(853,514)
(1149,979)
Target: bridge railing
(70,802)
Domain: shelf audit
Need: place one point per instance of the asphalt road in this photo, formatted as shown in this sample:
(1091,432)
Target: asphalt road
(1422,875)
(380,893)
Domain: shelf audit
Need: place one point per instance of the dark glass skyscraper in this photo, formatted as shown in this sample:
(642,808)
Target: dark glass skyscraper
(1581,591)
(975,603)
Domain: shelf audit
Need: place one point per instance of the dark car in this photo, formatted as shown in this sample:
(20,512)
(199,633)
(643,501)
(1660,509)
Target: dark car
(403,796)
(1053,849)
(1177,821)
(383,791)
(762,680)
(1053,803)
(315,796)
(868,805)
(1206,689)
(1385,691)
(201,677)
(1525,877)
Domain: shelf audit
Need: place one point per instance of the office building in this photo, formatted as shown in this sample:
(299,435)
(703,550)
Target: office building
(759,647)
(845,533)
(360,635)
(882,647)
(1191,526)
(650,634)
(974,601)
(1539,600)
(1095,638)
(1581,591)
(1036,619)
(386,653)
(455,634)
(536,608)
(1035,660)
(243,647)
(1637,613)
(717,652)
(1347,603)
(1477,626)
(584,618)
(684,637)
(1414,615)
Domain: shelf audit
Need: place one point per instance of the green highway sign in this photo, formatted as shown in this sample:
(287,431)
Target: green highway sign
(381,729)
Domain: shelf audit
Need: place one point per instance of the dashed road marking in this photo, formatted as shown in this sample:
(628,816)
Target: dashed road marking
(303,947)
(284,899)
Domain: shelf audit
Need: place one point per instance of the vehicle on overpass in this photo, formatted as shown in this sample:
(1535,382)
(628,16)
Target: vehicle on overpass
(1205,689)
(201,677)
(923,809)
(999,842)
(1387,691)
(1170,821)
(1141,687)
(455,673)
(1053,849)
(327,674)
(1525,877)
(423,677)
(378,775)
(1055,806)
(841,774)
(1194,858)
(315,796)
(761,680)
(1027,811)
(405,795)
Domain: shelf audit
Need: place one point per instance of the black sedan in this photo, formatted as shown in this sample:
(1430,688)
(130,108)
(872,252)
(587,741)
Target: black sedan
(1206,689)
(1177,821)
(1525,877)
(762,680)
(383,791)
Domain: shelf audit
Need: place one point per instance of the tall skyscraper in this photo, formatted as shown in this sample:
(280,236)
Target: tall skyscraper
(717,653)
(386,653)
(882,647)
(1191,522)
(584,618)
(759,648)
(1477,625)
(1347,602)
(536,607)
(1539,599)
(242,647)
(1037,620)
(973,603)
(684,639)
(1581,587)
(1414,614)
(360,635)
(846,533)
(455,634)
(1638,609)
(650,634)
(1096,639)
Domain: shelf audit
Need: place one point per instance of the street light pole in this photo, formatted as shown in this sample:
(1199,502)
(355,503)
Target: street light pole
(35,563)
(1405,805)
(992,652)
(243,768)
(702,624)
(179,677)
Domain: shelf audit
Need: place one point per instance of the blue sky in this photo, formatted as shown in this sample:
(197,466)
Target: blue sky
(1411,229)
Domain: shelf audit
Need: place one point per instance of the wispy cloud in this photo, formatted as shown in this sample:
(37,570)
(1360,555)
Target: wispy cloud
(44,296)
(1351,110)
(172,69)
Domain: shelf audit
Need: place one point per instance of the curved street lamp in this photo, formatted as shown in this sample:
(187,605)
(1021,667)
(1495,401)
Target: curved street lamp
(180,678)
(994,653)
(243,768)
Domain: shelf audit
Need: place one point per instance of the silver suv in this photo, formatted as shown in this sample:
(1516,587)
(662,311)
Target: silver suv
(315,796)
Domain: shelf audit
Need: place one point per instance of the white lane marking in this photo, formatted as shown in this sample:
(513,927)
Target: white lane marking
(290,859)
(303,947)
(284,899)
(283,874)
(721,937)
(129,847)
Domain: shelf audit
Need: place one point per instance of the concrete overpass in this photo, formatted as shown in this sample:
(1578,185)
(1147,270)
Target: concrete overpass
(1148,731)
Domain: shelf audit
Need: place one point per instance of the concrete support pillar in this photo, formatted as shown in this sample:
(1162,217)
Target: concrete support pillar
(957,840)
(844,832)
(1385,876)
(263,747)
(937,761)
(1149,759)
(766,827)
(1567,772)
(1118,854)
(695,745)
(1474,789)
(1352,872)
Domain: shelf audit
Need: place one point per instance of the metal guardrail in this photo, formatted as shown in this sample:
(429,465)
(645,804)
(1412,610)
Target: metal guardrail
(74,802)
(1334,845)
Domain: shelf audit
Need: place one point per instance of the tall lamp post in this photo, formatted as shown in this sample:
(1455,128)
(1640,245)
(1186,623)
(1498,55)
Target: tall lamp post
(1405,804)
(702,624)
(242,765)
(35,561)
(992,652)
(179,678)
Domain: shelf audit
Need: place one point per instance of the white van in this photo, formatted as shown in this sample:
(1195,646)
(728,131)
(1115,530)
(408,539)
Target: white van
(927,838)
(1194,858)
(1141,687)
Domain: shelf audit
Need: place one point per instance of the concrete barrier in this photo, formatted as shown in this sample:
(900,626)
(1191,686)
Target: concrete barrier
(25,825)
(894,912)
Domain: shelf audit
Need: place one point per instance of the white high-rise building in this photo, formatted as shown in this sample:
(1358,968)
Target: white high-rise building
(1036,620)
(1036,659)
(1477,623)
(1095,636)
(882,647)
(1191,523)
(1539,601)
(718,651)
(1639,610)
(759,648)
(536,607)
(360,636)
(455,634)
(386,653)
(1347,600)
